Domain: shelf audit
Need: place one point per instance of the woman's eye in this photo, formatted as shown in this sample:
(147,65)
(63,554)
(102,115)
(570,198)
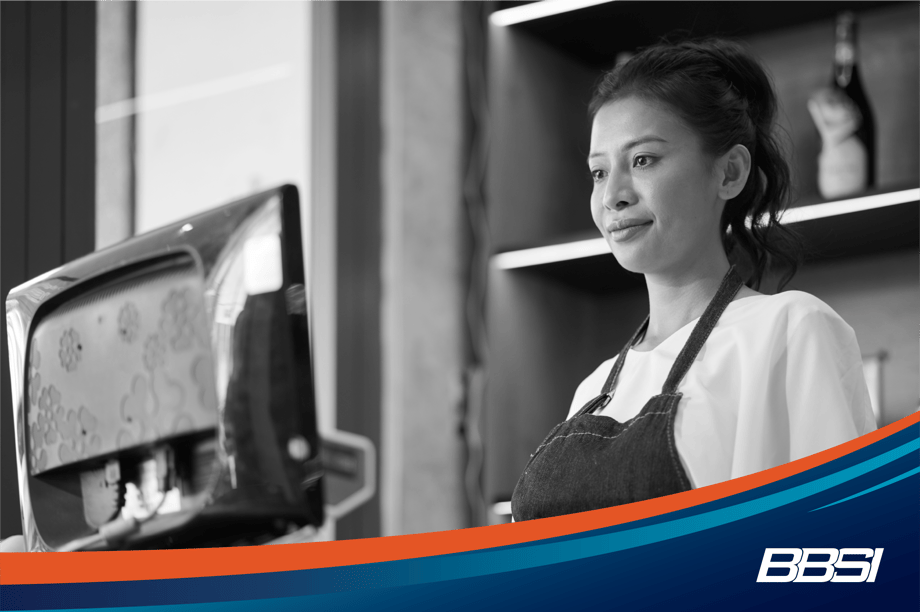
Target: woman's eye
(598,175)
(641,161)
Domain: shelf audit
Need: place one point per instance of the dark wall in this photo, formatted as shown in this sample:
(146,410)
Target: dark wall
(358,227)
(47,160)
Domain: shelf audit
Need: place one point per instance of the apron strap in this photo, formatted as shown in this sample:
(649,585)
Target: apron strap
(603,399)
(730,286)
(611,382)
(726,292)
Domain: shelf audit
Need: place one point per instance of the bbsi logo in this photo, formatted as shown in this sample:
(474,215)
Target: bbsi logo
(825,570)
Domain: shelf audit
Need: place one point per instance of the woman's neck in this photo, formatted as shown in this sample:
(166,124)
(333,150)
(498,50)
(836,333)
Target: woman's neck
(677,299)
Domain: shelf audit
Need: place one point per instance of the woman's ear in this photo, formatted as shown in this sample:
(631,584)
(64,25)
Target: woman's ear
(734,169)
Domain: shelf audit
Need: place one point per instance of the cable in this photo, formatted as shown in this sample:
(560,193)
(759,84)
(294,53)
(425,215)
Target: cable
(82,543)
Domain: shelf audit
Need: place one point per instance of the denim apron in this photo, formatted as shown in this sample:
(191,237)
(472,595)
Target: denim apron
(590,462)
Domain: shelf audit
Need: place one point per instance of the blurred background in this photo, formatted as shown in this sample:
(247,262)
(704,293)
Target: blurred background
(457,291)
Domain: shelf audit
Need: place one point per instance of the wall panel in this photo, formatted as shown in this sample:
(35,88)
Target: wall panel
(47,156)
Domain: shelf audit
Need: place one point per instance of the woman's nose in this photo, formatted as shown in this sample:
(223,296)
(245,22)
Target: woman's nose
(618,194)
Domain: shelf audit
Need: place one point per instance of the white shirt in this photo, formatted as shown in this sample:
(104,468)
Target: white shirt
(779,378)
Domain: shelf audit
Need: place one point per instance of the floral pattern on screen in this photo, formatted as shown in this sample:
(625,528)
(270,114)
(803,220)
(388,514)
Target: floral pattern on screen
(133,366)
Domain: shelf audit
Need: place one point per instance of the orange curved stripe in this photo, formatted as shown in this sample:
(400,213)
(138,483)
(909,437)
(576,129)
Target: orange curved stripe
(56,568)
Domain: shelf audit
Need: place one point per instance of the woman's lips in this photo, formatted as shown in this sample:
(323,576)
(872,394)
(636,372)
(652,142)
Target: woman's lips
(625,229)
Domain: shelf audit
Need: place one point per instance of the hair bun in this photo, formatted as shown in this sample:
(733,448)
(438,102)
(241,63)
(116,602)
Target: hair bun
(745,76)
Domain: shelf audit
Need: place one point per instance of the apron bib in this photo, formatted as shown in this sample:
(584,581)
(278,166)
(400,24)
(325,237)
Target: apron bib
(590,462)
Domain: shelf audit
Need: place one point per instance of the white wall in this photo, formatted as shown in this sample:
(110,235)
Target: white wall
(222,93)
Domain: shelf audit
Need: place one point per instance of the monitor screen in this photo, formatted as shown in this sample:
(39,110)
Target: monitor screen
(124,364)
(165,383)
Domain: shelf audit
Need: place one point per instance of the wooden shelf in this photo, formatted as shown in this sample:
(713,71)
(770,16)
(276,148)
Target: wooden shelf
(864,232)
(586,33)
(851,234)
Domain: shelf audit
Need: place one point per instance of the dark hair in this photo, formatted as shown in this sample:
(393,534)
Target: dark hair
(721,91)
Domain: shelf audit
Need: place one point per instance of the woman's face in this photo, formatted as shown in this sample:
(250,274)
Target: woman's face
(656,196)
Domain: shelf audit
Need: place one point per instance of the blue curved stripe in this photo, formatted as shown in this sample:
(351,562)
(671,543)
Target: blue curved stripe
(500,560)
(810,475)
(361,584)
(870,489)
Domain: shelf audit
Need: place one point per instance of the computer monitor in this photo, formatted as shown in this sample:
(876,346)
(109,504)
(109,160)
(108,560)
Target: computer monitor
(163,390)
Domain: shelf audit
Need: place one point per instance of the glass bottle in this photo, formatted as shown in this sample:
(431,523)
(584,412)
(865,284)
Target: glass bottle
(841,112)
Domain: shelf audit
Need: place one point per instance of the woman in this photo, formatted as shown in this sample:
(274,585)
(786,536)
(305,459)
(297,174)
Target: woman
(720,380)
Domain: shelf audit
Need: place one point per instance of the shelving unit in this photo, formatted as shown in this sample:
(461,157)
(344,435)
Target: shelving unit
(552,319)
(596,34)
(873,223)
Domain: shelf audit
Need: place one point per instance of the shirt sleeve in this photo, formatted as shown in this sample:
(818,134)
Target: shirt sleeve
(826,394)
(812,395)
